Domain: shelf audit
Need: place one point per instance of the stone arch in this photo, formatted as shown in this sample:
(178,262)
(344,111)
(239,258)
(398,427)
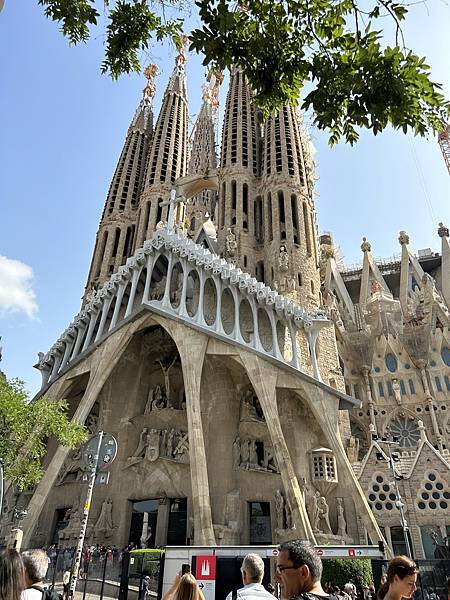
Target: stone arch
(227,311)
(176,284)
(98,318)
(246,321)
(209,307)
(159,278)
(192,292)
(265,330)
(124,301)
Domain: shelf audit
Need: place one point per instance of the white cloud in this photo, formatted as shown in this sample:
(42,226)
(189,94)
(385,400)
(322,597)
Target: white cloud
(16,288)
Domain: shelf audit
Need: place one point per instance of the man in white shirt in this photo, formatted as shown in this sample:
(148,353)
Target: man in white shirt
(36,565)
(252,572)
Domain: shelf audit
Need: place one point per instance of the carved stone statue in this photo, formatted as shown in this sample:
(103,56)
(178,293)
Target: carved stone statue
(253,456)
(181,451)
(155,399)
(314,514)
(341,522)
(288,511)
(279,509)
(74,466)
(324,515)
(166,373)
(144,439)
(269,459)
(230,242)
(157,290)
(250,407)
(152,451)
(396,391)
(104,521)
(283,259)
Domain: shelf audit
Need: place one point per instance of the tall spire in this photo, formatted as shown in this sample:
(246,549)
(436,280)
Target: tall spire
(167,158)
(290,219)
(115,235)
(239,235)
(203,152)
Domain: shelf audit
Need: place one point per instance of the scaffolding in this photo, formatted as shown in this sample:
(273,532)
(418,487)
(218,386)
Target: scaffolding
(444,143)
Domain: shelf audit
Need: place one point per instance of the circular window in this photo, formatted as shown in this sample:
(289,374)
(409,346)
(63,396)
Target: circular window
(425,496)
(443,407)
(391,362)
(406,431)
(377,369)
(436,495)
(432,477)
(389,506)
(372,497)
(421,505)
(418,409)
(392,497)
(407,366)
(383,412)
(376,488)
(447,495)
(428,486)
(383,496)
(385,487)
(379,478)
(443,504)
(439,486)
(432,363)
(445,353)
(432,505)
(378,506)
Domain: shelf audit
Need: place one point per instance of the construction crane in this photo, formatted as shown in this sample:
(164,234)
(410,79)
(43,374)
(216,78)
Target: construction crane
(444,143)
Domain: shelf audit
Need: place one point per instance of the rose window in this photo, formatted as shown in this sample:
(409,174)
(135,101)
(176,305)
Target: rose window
(405,431)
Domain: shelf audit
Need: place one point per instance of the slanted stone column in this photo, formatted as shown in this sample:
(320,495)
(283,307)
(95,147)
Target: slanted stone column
(102,365)
(192,347)
(263,378)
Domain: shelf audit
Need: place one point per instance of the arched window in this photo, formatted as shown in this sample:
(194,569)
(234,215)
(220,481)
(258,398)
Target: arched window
(445,353)
(391,362)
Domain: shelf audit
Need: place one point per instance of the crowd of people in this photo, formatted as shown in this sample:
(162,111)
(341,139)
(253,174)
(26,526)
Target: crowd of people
(298,576)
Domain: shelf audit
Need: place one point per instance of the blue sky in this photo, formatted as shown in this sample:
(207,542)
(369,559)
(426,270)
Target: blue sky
(62,128)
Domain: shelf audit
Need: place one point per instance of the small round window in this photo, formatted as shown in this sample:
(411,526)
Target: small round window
(391,362)
(445,353)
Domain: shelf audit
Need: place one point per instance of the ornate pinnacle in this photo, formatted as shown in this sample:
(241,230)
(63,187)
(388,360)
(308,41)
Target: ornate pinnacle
(365,246)
(181,57)
(403,238)
(151,72)
(443,231)
(210,90)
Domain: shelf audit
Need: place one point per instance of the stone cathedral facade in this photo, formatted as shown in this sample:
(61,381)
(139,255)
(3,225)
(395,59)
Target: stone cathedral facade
(233,361)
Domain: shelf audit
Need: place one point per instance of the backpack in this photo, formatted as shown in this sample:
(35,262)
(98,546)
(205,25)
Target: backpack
(47,593)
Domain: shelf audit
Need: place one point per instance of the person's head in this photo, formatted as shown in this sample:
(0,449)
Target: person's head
(299,568)
(187,588)
(36,565)
(12,575)
(401,578)
(252,569)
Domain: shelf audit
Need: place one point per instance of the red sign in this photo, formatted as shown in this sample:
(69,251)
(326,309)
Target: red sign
(205,569)
(320,551)
(351,552)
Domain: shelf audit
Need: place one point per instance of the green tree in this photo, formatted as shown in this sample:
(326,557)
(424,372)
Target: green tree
(334,49)
(24,429)
(340,571)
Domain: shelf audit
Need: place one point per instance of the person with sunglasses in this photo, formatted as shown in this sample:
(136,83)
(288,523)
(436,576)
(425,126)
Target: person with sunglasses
(298,571)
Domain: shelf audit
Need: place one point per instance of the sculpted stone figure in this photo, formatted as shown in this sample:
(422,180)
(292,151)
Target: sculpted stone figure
(324,515)
(158,289)
(236,453)
(279,509)
(155,399)
(181,451)
(283,259)
(396,391)
(230,242)
(142,445)
(104,521)
(314,515)
(342,524)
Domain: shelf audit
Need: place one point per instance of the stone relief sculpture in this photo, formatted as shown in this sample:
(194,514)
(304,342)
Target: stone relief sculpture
(104,523)
(254,455)
(157,290)
(396,391)
(341,522)
(283,259)
(72,469)
(250,409)
(230,242)
(279,509)
(161,396)
(314,511)
(165,443)
(324,515)
(155,399)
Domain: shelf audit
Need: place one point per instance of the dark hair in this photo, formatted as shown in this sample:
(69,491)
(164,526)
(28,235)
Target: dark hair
(301,552)
(402,566)
(12,575)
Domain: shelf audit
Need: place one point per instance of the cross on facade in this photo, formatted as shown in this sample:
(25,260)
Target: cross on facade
(171,203)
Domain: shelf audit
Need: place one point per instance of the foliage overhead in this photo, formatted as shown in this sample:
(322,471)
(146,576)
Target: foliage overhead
(340,571)
(24,428)
(333,49)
